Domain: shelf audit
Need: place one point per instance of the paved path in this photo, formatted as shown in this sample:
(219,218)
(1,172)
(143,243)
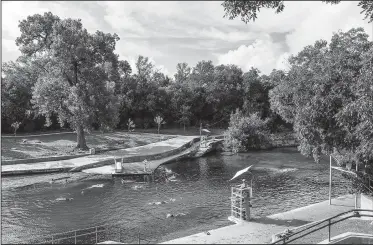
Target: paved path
(150,149)
(138,167)
(261,230)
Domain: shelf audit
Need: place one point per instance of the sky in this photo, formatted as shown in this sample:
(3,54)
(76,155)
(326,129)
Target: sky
(172,32)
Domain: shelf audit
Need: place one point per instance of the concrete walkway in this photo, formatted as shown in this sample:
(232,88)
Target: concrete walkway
(138,167)
(260,230)
(150,150)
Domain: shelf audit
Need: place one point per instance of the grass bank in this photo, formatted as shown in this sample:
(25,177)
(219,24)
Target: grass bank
(63,144)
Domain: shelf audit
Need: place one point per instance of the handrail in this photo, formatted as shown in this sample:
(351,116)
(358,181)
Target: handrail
(370,189)
(54,238)
(289,234)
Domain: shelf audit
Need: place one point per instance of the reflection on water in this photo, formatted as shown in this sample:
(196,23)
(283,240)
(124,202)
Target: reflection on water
(282,180)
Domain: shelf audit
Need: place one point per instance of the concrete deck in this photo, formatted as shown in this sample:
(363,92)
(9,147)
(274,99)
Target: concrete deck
(260,231)
(138,167)
(150,150)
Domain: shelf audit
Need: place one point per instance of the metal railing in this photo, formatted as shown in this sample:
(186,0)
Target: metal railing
(290,236)
(93,235)
(366,178)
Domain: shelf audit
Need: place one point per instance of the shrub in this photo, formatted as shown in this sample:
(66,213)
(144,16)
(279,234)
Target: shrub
(246,132)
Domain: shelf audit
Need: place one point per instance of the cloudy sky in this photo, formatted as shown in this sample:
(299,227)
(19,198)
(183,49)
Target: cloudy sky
(172,32)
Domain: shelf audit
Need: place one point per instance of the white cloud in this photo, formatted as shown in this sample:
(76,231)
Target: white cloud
(262,54)
(9,45)
(322,23)
(134,49)
(198,24)
(307,23)
(282,62)
(214,33)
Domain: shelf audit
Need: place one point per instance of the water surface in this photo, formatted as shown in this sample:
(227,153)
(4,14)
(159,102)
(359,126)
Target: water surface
(283,180)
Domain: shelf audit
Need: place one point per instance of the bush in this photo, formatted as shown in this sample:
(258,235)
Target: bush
(245,133)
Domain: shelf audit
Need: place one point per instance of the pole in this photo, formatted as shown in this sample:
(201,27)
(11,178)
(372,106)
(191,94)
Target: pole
(251,186)
(330,181)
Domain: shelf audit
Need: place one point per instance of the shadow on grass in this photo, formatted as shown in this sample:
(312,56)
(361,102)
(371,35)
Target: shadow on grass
(14,154)
(280,222)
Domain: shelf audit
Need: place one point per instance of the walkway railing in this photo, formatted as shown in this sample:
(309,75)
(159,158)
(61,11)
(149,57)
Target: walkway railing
(310,228)
(94,235)
(366,178)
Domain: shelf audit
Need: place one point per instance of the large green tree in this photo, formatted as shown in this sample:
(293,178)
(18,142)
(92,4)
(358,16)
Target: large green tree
(225,92)
(80,72)
(357,116)
(248,10)
(317,89)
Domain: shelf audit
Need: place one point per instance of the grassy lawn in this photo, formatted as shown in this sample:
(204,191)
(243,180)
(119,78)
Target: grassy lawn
(26,146)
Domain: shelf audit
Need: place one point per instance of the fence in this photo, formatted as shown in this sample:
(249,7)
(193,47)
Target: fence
(94,235)
(291,236)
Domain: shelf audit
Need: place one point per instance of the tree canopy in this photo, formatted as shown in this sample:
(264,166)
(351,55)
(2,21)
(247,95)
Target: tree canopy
(320,90)
(77,75)
(248,10)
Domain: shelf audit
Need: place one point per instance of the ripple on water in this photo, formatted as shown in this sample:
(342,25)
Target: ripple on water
(202,192)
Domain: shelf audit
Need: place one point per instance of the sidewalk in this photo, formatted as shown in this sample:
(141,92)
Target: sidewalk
(260,230)
(138,167)
(129,154)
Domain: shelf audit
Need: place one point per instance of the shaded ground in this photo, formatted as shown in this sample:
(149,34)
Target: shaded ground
(45,145)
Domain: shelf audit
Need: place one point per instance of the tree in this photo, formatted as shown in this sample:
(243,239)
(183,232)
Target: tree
(246,132)
(80,72)
(159,121)
(316,89)
(225,92)
(130,124)
(15,126)
(145,68)
(16,95)
(357,116)
(203,73)
(124,68)
(182,72)
(248,9)
(185,115)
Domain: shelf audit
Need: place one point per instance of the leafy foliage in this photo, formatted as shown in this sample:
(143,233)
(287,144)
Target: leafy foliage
(185,115)
(80,72)
(248,10)
(159,121)
(319,89)
(246,132)
(131,125)
(15,126)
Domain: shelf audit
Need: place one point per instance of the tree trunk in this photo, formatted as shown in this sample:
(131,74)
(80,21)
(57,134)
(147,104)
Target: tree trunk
(81,144)
(159,126)
(184,127)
